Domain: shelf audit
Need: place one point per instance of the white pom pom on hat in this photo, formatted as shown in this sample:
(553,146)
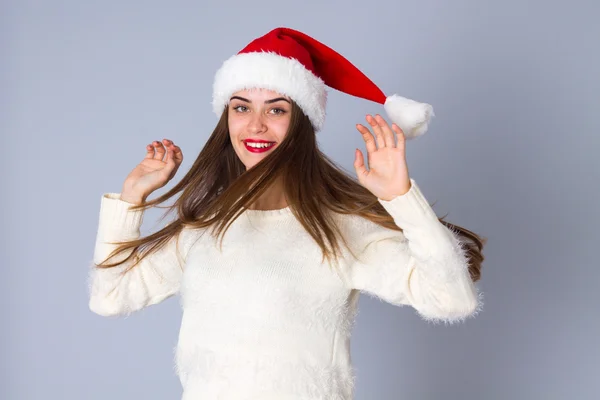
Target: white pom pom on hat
(296,65)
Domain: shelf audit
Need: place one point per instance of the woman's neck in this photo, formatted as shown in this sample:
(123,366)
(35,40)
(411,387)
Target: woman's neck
(272,199)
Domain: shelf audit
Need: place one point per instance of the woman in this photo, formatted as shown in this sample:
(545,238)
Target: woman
(273,242)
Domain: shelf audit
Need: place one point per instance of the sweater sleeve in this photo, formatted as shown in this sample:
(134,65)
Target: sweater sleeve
(115,291)
(425,266)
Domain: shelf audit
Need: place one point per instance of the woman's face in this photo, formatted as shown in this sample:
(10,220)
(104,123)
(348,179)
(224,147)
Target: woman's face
(258,122)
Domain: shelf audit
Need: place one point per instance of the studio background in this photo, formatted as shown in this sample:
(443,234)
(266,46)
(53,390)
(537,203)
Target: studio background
(511,155)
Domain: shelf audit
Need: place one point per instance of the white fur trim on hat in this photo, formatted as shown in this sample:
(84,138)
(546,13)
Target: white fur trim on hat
(411,116)
(267,70)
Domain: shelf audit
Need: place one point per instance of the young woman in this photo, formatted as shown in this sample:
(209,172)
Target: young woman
(272,242)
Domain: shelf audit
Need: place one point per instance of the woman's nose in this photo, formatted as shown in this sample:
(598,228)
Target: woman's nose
(256,122)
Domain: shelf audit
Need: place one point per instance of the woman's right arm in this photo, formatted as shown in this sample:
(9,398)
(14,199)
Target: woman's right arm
(155,278)
(121,290)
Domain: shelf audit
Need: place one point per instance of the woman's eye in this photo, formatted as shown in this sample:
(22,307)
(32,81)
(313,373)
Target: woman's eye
(240,108)
(278,111)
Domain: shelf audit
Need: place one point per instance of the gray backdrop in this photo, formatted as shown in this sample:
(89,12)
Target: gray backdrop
(84,86)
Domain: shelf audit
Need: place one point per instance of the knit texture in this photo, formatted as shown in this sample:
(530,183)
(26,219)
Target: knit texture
(265,318)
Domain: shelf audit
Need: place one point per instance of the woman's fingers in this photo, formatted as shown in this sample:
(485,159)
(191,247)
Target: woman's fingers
(177,154)
(359,165)
(388,135)
(174,152)
(149,151)
(400,136)
(383,135)
(173,159)
(159,150)
(377,130)
(171,164)
(368,138)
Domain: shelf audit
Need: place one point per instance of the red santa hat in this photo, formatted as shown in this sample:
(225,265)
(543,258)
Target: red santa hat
(296,65)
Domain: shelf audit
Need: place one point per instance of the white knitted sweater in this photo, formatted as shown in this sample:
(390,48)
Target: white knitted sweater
(265,318)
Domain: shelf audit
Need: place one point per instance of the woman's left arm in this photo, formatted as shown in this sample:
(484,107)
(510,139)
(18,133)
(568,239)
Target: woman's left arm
(424,266)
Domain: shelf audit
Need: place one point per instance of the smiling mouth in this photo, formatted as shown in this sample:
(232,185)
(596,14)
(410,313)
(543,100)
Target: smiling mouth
(254,147)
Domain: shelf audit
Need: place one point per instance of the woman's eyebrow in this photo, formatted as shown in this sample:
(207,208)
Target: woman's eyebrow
(266,101)
(277,99)
(240,98)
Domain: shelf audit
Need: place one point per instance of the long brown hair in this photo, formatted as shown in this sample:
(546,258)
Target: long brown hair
(217,189)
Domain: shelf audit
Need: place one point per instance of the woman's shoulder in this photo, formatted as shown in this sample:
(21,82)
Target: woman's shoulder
(186,236)
(362,230)
(190,232)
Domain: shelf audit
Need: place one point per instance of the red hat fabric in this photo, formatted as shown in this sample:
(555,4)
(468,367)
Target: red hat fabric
(296,65)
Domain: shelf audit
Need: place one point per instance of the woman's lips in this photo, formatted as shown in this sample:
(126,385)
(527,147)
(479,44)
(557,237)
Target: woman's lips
(258,150)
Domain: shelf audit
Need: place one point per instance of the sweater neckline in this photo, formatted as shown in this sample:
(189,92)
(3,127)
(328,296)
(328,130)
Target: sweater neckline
(268,213)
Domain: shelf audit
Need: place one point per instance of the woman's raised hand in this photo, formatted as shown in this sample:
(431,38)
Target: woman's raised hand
(153,172)
(387,176)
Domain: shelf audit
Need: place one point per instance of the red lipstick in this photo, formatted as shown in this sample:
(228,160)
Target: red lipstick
(258,149)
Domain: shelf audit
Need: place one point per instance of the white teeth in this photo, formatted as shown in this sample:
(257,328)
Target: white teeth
(259,145)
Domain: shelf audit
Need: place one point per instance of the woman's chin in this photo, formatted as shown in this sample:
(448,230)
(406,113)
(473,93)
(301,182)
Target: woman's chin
(250,164)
